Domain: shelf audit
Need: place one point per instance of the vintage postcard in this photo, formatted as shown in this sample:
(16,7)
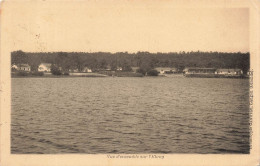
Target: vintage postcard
(129,82)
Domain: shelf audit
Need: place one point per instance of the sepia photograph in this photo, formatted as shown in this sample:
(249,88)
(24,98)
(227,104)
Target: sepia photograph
(132,80)
(187,102)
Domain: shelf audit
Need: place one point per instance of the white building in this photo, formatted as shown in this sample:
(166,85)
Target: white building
(135,69)
(166,70)
(24,67)
(87,70)
(14,67)
(44,67)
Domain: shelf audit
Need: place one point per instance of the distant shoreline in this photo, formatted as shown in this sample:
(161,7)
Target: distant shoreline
(97,75)
(49,75)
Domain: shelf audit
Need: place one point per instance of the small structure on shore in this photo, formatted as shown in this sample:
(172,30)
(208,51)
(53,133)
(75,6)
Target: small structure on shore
(14,67)
(73,70)
(166,70)
(21,67)
(87,70)
(229,71)
(195,70)
(135,69)
(44,67)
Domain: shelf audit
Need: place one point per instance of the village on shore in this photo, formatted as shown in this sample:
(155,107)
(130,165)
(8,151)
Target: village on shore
(51,70)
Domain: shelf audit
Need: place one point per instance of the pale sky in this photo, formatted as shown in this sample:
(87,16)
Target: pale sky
(113,28)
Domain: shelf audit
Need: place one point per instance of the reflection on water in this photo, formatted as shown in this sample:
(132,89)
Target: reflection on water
(130,115)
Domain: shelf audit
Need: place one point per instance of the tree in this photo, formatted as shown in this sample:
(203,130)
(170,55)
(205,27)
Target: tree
(144,60)
(34,61)
(126,66)
(92,63)
(78,62)
(152,72)
(141,70)
(113,65)
(55,70)
(145,67)
(103,64)
(19,57)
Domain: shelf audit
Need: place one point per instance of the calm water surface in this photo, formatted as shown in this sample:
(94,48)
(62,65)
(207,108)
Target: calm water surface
(130,115)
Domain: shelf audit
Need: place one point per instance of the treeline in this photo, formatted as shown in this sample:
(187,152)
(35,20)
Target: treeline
(125,60)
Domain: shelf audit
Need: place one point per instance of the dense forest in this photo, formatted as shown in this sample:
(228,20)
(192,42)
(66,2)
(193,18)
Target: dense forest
(144,60)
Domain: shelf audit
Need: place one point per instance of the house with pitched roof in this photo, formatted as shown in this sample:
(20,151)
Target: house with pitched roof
(44,67)
(24,67)
(166,70)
